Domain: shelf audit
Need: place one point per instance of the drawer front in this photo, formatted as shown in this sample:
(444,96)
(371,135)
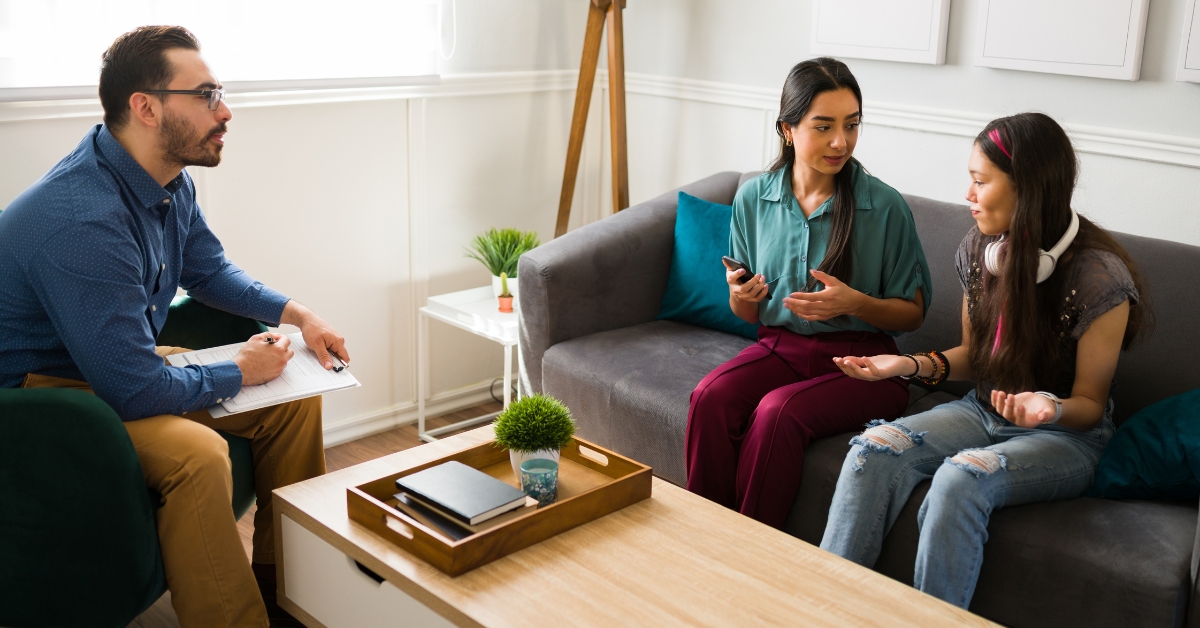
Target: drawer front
(328,585)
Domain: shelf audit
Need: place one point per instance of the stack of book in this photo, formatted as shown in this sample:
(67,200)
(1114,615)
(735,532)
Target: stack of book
(457,500)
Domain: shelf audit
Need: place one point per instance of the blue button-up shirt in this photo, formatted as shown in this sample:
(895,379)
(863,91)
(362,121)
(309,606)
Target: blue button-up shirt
(90,257)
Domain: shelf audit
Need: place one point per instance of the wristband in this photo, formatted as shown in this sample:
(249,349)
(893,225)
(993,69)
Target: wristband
(1057,405)
(915,363)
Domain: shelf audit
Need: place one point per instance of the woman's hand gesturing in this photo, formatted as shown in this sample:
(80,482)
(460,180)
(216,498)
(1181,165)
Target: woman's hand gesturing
(835,300)
(752,291)
(876,367)
(1024,409)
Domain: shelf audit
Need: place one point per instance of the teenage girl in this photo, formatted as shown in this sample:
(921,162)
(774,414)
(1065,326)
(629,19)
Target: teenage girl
(1050,299)
(840,271)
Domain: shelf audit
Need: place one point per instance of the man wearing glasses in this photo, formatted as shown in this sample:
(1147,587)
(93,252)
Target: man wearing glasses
(90,258)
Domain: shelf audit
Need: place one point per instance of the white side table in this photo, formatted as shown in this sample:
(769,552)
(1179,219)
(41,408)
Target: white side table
(477,311)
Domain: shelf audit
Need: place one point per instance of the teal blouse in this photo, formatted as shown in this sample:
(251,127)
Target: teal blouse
(770,234)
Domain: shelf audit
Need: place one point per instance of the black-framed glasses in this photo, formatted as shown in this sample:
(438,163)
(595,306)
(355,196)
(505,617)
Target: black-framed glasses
(214,96)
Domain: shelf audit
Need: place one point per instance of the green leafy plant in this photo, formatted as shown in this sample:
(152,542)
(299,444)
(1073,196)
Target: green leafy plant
(504,284)
(500,249)
(534,423)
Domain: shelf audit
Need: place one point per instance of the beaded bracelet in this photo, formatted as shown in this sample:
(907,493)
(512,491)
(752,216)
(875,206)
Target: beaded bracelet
(945,365)
(939,369)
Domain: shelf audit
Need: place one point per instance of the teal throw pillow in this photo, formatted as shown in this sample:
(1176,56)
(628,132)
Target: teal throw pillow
(696,290)
(1155,454)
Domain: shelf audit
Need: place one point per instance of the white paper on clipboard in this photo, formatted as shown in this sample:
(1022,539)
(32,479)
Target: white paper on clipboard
(303,377)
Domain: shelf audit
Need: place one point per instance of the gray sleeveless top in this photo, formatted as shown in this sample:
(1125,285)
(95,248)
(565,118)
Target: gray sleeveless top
(1094,282)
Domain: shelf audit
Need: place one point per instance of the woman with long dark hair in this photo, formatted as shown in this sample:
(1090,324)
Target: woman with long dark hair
(838,250)
(1050,300)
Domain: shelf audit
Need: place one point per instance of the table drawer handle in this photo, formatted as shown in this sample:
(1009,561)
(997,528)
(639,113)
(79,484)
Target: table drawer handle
(370,574)
(593,455)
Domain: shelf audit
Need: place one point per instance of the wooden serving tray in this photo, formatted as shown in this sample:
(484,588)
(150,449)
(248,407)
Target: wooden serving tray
(592,482)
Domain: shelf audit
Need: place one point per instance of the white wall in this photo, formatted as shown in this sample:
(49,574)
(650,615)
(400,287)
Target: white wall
(747,48)
(358,203)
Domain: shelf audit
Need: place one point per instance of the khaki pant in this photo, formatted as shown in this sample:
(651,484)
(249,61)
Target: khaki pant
(188,464)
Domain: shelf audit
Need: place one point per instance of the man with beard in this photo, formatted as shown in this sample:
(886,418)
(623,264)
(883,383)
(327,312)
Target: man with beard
(90,258)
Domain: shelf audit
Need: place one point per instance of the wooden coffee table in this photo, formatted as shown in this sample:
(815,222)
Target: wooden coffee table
(673,559)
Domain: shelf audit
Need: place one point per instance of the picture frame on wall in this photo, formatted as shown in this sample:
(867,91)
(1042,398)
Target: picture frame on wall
(1189,48)
(1096,38)
(909,31)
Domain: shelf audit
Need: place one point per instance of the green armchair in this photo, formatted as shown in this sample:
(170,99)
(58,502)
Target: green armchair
(78,543)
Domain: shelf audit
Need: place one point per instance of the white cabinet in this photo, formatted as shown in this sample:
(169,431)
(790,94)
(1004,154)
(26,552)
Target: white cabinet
(331,588)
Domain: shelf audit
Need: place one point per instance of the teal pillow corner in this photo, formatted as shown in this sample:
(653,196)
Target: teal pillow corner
(696,289)
(1155,454)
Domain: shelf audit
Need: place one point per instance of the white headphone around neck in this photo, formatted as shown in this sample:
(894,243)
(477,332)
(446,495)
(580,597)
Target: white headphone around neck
(1047,260)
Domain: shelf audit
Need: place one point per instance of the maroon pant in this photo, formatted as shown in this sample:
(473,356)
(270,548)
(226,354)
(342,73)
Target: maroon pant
(752,417)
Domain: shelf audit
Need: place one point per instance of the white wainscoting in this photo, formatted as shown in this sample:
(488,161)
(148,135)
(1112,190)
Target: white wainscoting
(1130,181)
(396,180)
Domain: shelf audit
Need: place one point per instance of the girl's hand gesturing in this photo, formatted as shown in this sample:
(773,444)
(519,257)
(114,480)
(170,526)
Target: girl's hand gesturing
(875,368)
(1024,409)
(835,300)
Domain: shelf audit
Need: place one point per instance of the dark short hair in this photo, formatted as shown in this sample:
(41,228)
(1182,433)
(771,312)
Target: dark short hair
(136,62)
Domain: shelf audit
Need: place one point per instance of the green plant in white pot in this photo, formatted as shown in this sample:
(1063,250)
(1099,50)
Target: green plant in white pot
(500,250)
(534,427)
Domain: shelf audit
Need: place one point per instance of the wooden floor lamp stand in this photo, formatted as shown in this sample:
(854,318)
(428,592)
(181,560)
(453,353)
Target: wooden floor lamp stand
(598,10)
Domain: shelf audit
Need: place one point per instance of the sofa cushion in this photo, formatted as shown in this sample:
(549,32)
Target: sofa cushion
(628,388)
(1138,553)
(823,463)
(696,289)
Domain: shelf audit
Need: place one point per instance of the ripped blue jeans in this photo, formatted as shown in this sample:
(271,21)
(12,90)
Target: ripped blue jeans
(978,462)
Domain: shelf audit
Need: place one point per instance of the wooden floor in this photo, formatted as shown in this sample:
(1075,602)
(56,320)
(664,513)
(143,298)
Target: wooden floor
(161,615)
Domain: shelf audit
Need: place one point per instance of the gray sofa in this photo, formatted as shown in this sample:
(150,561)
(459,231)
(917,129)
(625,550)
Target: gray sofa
(588,336)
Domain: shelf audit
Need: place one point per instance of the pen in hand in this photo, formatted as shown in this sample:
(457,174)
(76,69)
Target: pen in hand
(339,365)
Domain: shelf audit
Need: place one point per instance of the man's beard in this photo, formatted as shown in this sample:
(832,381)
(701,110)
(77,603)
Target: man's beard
(182,148)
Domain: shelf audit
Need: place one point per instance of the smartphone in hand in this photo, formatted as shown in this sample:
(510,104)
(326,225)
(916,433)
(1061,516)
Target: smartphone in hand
(733,264)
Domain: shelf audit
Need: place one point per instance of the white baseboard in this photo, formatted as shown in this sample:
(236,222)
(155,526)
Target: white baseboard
(353,428)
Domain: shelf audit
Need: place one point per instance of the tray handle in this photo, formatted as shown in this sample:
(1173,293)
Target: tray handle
(399,527)
(593,455)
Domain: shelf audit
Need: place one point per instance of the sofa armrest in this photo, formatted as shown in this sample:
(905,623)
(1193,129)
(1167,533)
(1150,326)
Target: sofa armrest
(194,325)
(74,513)
(606,275)
(1193,602)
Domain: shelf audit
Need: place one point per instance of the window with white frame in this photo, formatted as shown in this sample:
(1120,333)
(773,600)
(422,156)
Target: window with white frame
(52,48)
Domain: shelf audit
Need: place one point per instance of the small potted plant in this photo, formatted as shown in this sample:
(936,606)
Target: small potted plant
(499,250)
(506,298)
(534,427)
